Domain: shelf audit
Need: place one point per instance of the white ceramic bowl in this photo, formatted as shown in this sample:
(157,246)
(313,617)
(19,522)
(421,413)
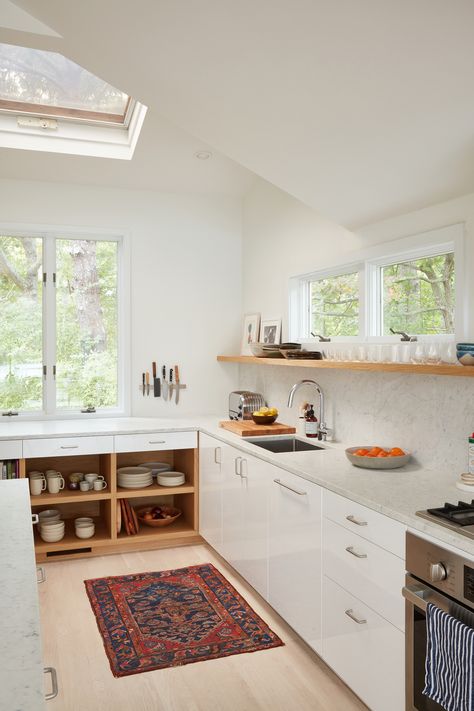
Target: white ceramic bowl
(85,531)
(134,470)
(52,537)
(376,462)
(49,515)
(157,467)
(83,519)
(52,524)
(170,479)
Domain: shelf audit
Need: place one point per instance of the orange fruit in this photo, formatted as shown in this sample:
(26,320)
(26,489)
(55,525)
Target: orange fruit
(397,452)
(361,452)
(383,453)
(375,451)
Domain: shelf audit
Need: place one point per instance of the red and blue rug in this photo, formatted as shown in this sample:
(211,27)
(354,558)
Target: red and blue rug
(156,620)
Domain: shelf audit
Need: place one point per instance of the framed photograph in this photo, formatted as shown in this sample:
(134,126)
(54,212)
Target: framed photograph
(249,332)
(270,332)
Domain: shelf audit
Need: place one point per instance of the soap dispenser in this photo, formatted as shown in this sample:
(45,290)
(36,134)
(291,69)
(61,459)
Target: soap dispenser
(310,422)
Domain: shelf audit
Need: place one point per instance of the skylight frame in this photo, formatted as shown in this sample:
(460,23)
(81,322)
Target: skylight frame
(58,112)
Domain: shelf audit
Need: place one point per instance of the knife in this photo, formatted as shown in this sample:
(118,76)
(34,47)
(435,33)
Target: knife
(176,378)
(147,383)
(164,386)
(170,394)
(156,381)
(143,383)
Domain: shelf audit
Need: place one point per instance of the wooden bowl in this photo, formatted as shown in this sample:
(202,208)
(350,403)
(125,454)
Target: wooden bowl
(264,419)
(158,522)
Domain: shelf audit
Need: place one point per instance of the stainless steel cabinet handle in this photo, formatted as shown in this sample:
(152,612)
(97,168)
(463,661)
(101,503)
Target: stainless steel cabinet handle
(244,476)
(238,466)
(350,549)
(290,488)
(40,574)
(353,519)
(216,459)
(54,683)
(350,613)
(34,519)
(69,446)
(156,441)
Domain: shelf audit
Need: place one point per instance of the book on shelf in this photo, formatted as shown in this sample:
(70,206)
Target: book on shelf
(10,469)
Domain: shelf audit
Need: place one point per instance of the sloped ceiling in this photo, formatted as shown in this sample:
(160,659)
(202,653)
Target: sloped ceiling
(360,108)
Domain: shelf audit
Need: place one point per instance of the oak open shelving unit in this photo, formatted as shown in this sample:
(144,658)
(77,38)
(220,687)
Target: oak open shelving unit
(409,368)
(102,505)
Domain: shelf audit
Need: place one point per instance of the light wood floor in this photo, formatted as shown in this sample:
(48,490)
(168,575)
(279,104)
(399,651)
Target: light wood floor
(289,678)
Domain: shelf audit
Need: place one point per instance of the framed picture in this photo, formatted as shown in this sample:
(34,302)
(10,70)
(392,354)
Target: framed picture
(270,332)
(249,332)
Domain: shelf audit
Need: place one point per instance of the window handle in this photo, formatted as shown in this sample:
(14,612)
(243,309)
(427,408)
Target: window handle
(404,336)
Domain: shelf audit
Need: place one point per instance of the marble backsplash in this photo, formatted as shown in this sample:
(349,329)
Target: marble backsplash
(430,416)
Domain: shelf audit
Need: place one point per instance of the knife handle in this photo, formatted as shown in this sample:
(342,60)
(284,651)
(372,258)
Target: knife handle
(147,378)
(163,372)
(153,369)
(143,378)
(176,374)
(171,375)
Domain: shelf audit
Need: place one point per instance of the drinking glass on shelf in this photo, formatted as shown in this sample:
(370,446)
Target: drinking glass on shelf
(361,353)
(418,353)
(433,354)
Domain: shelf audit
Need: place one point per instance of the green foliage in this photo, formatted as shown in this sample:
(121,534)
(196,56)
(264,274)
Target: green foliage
(335,305)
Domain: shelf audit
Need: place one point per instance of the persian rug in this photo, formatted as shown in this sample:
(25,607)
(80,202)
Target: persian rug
(152,621)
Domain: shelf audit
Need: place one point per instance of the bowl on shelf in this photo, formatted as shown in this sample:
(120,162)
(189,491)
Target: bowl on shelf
(169,512)
(373,462)
(301,354)
(170,479)
(265,350)
(156,467)
(49,515)
(465,353)
(52,531)
(264,419)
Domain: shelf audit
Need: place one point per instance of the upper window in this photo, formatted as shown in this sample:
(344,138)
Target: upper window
(415,286)
(335,305)
(40,82)
(59,339)
(49,103)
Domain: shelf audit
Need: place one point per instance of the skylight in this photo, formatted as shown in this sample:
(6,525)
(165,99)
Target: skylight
(46,83)
(50,103)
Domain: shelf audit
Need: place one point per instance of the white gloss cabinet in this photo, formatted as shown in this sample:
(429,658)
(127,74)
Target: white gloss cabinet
(210,490)
(365,650)
(294,567)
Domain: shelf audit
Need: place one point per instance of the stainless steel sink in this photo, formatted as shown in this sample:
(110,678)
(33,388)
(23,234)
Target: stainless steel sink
(282,444)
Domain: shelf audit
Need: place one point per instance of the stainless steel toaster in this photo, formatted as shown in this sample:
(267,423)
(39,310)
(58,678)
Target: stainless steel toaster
(243,402)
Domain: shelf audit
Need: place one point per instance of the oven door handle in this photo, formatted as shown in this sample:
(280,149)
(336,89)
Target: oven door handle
(420,596)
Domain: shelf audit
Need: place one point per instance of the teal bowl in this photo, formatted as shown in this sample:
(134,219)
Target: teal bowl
(465,353)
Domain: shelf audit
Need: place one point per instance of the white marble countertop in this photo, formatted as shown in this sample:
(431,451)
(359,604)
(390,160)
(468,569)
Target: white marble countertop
(21,664)
(397,493)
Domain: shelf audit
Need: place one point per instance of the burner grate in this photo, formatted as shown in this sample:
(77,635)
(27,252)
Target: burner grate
(462,514)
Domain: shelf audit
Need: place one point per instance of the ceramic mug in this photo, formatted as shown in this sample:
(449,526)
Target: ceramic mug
(92,477)
(37,485)
(55,484)
(99,484)
(35,474)
(52,472)
(84,486)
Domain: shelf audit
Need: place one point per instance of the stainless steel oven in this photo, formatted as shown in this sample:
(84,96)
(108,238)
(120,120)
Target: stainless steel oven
(444,579)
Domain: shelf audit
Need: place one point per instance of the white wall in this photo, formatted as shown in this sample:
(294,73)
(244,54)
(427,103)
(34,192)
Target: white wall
(185,277)
(429,415)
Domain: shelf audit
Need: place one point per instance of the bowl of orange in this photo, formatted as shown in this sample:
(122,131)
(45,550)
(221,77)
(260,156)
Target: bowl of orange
(377,457)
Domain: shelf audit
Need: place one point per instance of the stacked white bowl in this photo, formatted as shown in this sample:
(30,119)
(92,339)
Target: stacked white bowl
(52,531)
(49,515)
(134,477)
(84,527)
(156,467)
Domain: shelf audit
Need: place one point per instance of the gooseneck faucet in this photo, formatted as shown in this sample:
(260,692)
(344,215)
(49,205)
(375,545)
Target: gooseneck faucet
(322,434)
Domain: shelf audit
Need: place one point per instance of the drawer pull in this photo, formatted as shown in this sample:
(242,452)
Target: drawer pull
(157,441)
(238,466)
(217,459)
(69,446)
(290,488)
(54,683)
(40,574)
(350,549)
(353,519)
(350,613)
(34,519)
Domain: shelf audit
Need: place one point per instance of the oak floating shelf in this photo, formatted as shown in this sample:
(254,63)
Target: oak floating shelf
(413,368)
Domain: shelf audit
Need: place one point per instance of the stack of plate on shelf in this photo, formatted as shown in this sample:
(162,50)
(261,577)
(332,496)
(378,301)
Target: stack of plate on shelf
(134,477)
(156,467)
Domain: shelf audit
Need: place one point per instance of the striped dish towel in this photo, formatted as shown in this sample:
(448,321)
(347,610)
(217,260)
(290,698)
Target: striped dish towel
(449,679)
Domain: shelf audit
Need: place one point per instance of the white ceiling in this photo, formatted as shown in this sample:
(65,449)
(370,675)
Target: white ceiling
(361,109)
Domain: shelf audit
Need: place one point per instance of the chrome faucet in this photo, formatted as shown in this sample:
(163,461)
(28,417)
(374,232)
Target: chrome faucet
(323,431)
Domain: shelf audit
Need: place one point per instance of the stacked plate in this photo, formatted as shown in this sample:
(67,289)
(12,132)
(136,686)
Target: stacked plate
(467,479)
(134,477)
(156,467)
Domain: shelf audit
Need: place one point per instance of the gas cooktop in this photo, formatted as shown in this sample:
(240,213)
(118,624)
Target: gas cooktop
(458,517)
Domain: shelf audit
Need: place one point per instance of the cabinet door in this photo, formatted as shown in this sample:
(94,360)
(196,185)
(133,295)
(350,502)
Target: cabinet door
(294,587)
(232,506)
(210,490)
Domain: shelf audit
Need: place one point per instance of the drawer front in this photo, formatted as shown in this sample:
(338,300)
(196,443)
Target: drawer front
(154,441)
(375,527)
(11,449)
(371,573)
(368,655)
(67,446)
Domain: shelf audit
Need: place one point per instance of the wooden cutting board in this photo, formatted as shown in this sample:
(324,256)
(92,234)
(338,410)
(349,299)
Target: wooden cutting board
(248,428)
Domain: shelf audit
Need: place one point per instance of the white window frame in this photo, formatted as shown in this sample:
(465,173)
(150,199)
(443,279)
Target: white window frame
(49,235)
(369,263)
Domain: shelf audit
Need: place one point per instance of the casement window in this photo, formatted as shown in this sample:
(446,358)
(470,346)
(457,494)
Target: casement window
(61,324)
(414,285)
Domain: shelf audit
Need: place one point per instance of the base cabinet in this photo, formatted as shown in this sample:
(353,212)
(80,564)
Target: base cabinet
(294,567)
(365,650)
(211,484)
